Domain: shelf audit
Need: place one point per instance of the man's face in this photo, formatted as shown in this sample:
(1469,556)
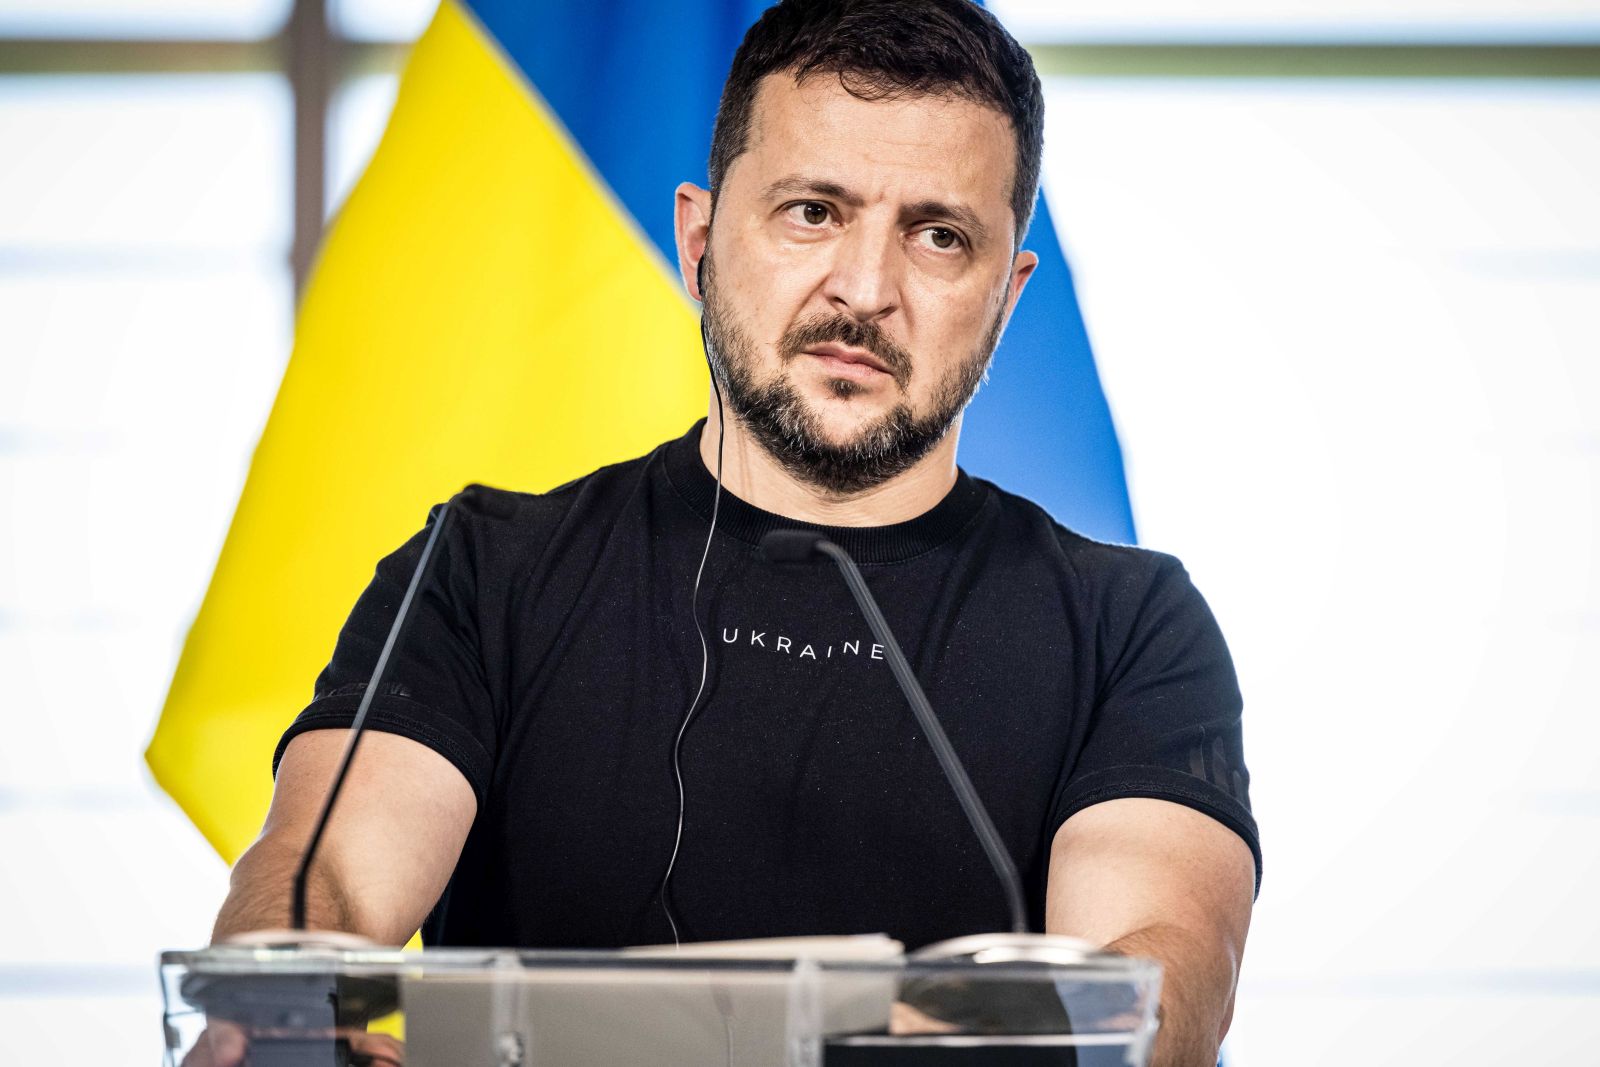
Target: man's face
(859,272)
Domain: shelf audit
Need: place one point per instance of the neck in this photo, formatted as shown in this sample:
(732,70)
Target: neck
(750,473)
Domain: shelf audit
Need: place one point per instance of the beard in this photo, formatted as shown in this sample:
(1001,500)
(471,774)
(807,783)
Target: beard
(784,424)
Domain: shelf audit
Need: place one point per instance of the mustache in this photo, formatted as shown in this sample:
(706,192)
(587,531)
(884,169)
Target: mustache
(839,329)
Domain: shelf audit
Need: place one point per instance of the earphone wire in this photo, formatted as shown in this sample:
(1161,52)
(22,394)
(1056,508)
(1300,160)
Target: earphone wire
(705,649)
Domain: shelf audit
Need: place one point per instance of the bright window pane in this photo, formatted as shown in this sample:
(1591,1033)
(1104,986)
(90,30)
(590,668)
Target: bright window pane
(382,20)
(1347,331)
(148,18)
(154,354)
(1235,21)
(144,323)
(131,876)
(110,382)
(184,163)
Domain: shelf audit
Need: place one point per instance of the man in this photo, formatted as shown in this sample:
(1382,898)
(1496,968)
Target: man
(614,722)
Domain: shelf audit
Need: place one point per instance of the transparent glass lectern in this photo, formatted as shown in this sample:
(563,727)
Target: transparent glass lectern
(296,1007)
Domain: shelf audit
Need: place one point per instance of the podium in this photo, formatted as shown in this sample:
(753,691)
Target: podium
(298,1007)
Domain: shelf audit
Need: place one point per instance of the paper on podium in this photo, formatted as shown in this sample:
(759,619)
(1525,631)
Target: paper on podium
(849,948)
(706,1003)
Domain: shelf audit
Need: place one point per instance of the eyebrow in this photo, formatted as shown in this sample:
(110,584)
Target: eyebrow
(800,185)
(964,217)
(797,184)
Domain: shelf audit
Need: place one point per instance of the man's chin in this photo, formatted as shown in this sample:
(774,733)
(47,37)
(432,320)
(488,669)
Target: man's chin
(844,422)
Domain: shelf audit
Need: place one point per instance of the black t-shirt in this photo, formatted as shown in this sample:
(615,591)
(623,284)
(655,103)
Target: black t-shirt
(553,656)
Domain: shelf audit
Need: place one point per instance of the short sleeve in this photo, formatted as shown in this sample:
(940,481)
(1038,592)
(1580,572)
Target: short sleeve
(434,689)
(1167,719)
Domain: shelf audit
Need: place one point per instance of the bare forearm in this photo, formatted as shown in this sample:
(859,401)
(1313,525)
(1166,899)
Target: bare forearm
(261,887)
(1196,992)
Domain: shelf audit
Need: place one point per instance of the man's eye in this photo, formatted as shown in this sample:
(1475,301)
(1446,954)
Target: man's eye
(942,238)
(813,213)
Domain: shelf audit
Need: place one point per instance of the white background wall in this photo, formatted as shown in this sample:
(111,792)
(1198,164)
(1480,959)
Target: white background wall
(1348,332)
(1349,336)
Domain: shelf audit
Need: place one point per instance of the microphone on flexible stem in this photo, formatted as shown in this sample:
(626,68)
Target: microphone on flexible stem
(801,546)
(472,497)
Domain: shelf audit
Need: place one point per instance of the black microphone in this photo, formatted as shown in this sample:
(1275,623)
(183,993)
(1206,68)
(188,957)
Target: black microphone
(474,498)
(801,546)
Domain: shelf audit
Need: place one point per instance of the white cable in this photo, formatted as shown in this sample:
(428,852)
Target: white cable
(705,651)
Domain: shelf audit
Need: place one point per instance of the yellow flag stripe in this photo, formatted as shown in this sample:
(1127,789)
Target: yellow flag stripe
(482,311)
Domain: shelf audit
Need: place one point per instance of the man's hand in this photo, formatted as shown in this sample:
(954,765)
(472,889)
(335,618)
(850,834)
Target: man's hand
(1153,878)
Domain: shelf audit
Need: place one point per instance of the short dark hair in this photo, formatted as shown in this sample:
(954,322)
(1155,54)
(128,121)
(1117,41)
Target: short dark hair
(881,50)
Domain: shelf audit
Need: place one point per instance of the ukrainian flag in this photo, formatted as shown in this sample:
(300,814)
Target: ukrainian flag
(497,302)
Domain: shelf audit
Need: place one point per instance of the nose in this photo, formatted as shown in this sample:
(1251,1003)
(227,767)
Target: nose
(864,279)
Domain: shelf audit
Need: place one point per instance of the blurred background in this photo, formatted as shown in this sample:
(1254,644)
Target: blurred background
(1340,266)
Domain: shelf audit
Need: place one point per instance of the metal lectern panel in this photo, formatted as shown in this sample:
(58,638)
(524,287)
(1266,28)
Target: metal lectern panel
(456,1008)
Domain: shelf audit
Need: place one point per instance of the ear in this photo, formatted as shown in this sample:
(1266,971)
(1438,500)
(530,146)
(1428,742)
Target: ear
(691,227)
(1022,265)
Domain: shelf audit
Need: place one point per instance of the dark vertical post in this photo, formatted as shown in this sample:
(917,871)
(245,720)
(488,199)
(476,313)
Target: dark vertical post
(311,62)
